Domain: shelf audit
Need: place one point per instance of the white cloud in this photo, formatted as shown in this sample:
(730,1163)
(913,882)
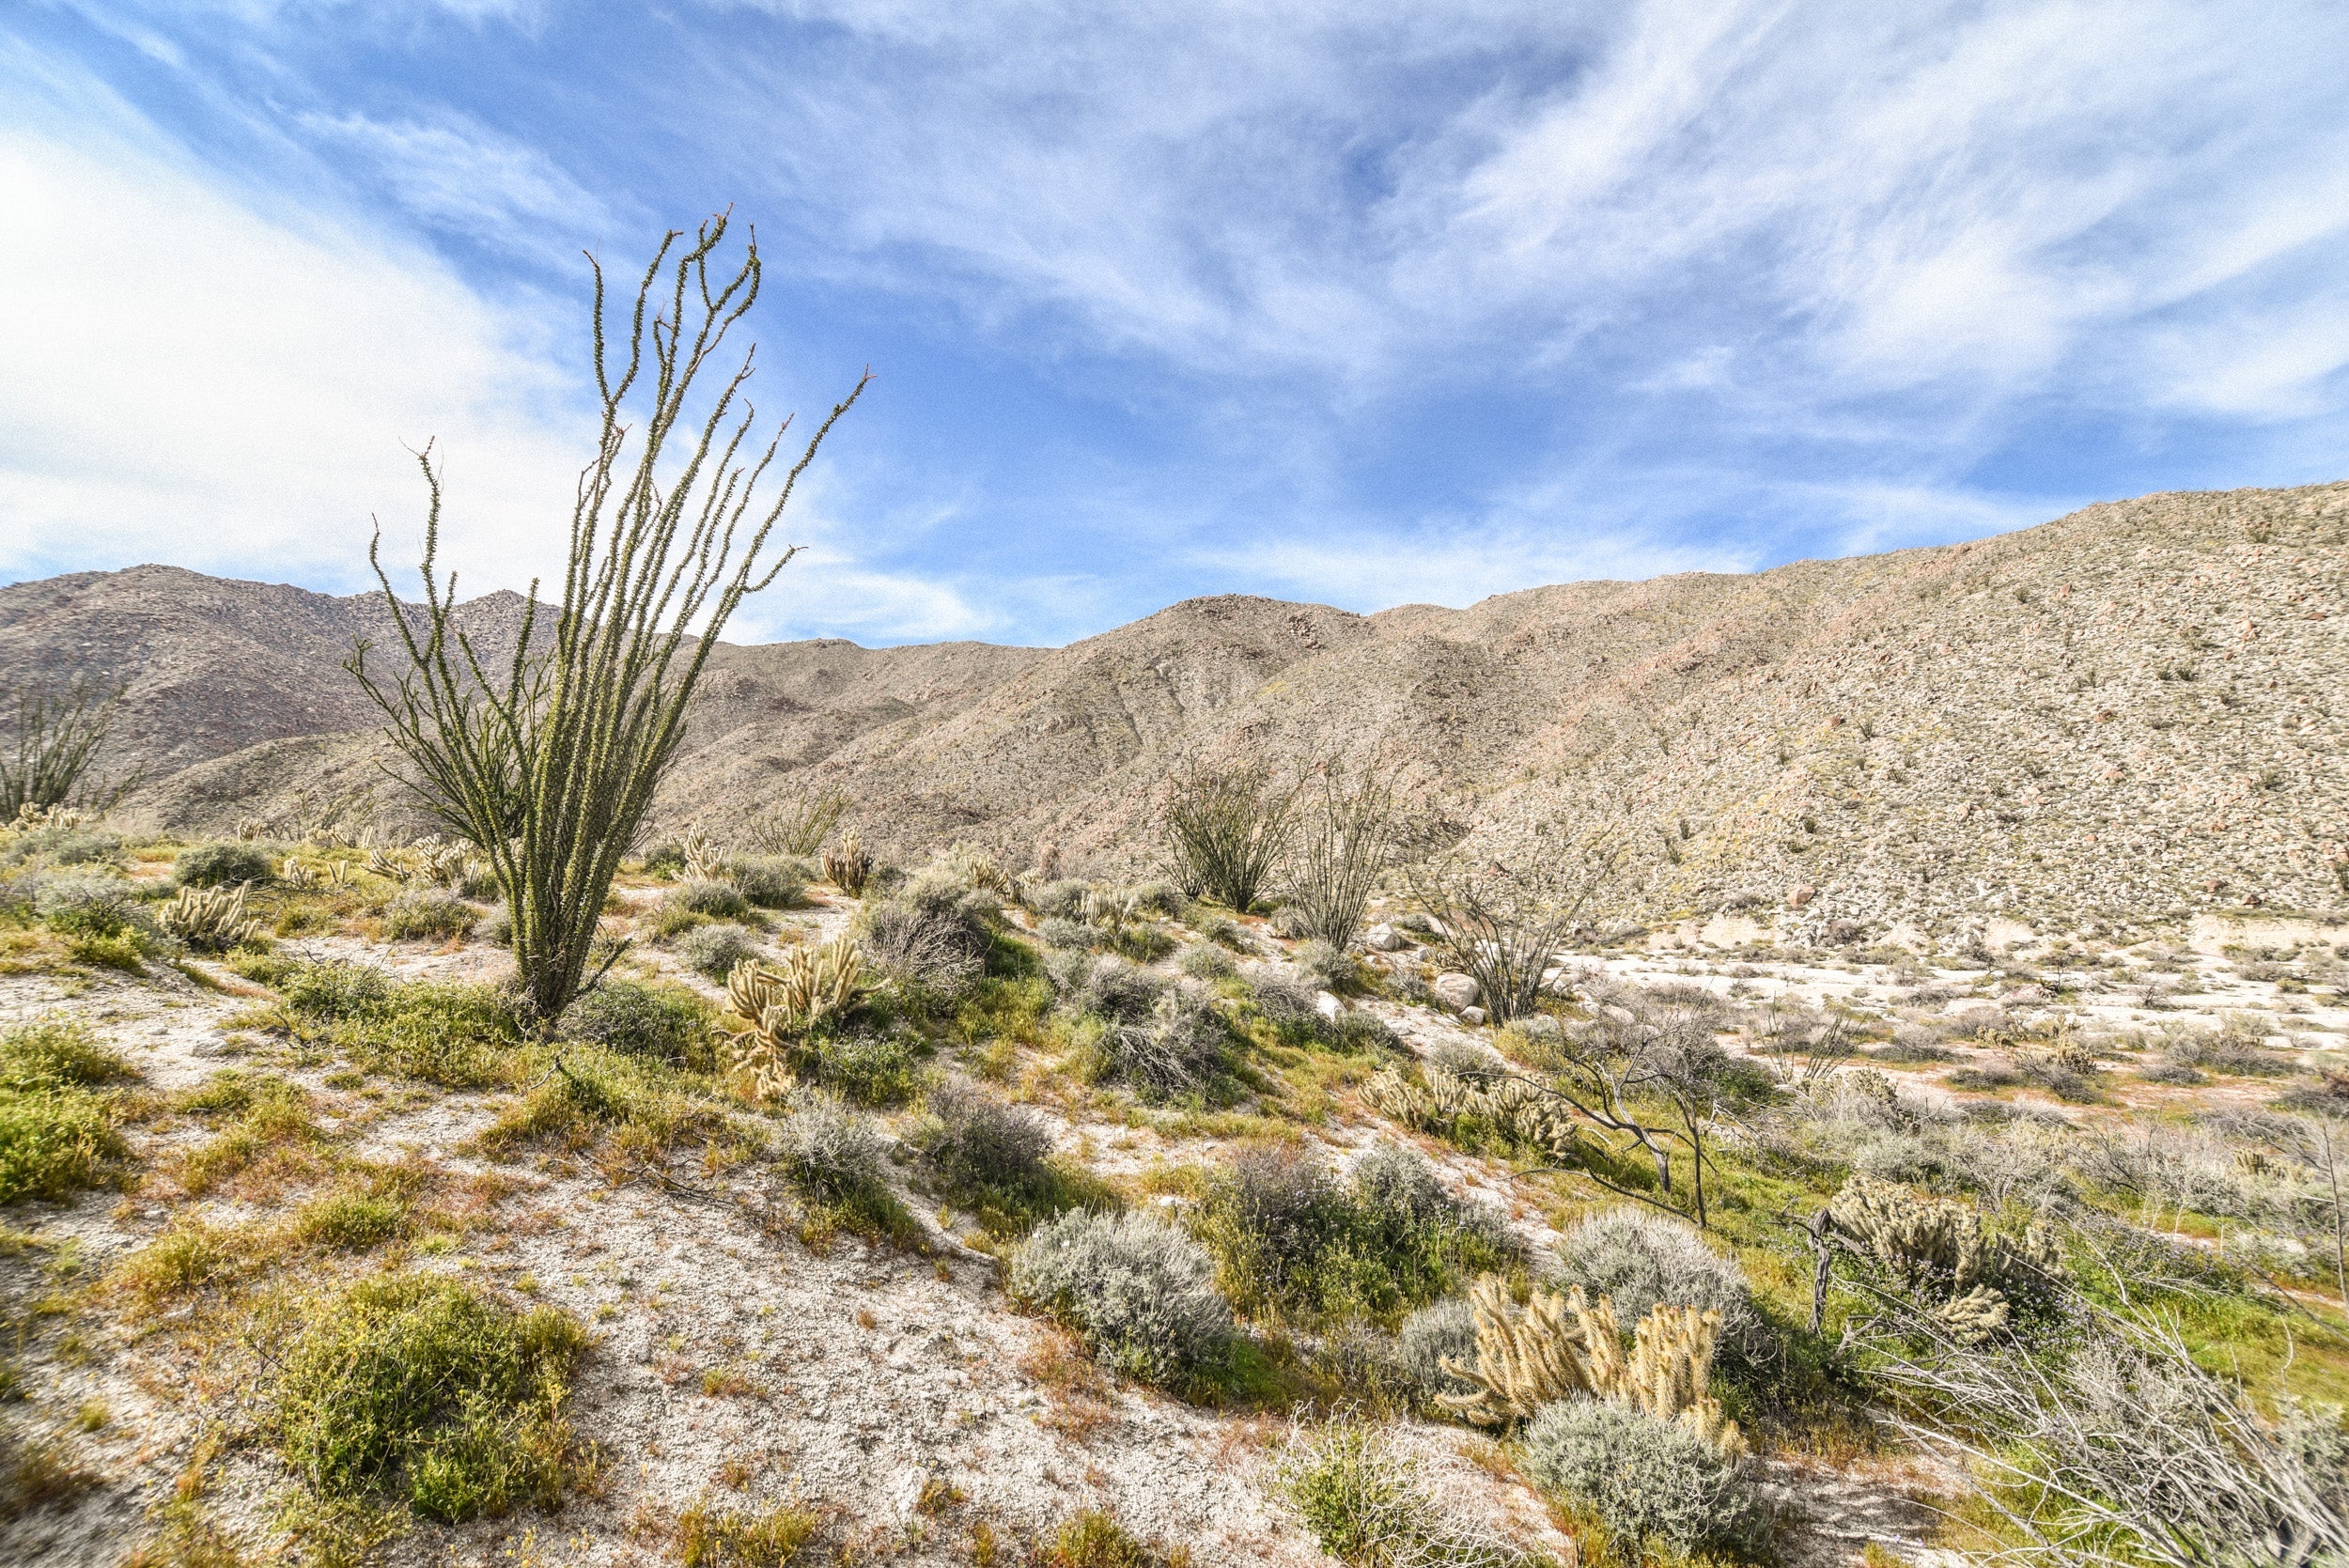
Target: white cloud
(455,173)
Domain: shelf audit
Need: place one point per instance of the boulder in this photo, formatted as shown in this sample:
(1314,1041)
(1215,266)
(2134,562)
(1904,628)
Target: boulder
(1472,1015)
(1456,991)
(1382,939)
(1328,1005)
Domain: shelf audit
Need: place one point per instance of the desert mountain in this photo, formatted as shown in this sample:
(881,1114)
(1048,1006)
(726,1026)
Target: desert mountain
(2120,717)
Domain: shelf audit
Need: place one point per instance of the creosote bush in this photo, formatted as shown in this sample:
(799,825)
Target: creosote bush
(659,1022)
(224,862)
(773,881)
(1140,1292)
(1646,1479)
(428,912)
(414,1388)
(716,899)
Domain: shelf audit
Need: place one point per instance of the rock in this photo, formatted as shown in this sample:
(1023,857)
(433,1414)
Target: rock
(1382,939)
(1797,897)
(1472,1015)
(1328,1005)
(1456,991)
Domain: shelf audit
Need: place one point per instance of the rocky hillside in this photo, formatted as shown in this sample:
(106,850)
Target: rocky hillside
(2120,717)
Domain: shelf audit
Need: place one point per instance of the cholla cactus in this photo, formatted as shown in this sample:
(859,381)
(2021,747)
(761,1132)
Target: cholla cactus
(30,818)
(1563,1346)
(779,1003)
(1521,1111)
(977,869)
(847,864)
(212,918)
(294,874)
(251,827)
(390,864)
(704,860)
(338,873)
(1524,1362)
(1934,1244)
(1110,911)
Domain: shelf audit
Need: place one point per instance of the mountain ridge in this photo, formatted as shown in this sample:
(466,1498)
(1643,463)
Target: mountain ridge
(2119,716)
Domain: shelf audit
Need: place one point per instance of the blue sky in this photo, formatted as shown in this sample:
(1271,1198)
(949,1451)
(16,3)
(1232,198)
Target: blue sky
(1361,303)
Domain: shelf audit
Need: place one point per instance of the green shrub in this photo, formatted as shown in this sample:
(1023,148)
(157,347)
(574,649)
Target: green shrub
(1325,966)
(1207,961)
(56,1136)
(92,906)
(224,861)
(62,845)
(769,1538)
(428,912)
(775,882)
(335,990)
(1140,1292)
(1292,1236)
(420,1389)
(718,900)
(637,1020)
(867,1069)
(1053,931)
(57,1052)
(350,1222)
(1646,1479)
(712,951)
(1361,1498)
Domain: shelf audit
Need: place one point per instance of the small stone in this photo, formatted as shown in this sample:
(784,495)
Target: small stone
(1472,1015)
(1456,991)
(1382,939)
(1328,1005)
(1797,897)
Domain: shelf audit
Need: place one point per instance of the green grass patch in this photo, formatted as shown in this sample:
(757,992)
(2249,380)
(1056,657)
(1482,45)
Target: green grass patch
(420,1390)
(58,1131)
(755,1538)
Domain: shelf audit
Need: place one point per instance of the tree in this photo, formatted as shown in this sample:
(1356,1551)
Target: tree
(57,736)
(550,766)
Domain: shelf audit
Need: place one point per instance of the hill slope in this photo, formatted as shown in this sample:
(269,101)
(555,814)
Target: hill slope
(2122,715)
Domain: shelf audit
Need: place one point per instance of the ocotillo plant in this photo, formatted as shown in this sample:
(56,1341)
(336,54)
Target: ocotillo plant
(1227,830)
(550,766)
(56,741)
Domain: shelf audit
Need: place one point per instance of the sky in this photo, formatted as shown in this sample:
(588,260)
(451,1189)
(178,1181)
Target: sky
(1366,303)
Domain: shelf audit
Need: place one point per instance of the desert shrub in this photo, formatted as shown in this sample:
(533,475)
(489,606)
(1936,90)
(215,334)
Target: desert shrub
(87,904)
(1643,1260)
(441,1031)
(1163,899)
(664,858)
(1291,1235)
(421,1389)
(58,1136)
(933,935)
(1324,967)
(1178,1050)
(350,1222)
(1140,1292)
(57,1052)
(867,1069)
(831,1150)
(1143,944)
(1281,997)
(1448,1328)
(1646,1479)
(718,900)
(1356,1032)
(2239,1048)
(1363,1499)
(59,845)
(1054,931)
(1062,899)
(636,1020)
(977,1142)
(713,950)
(428,912)
(1106,986)
(1205,961)
(773,881)
(336,989)
(210,865)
